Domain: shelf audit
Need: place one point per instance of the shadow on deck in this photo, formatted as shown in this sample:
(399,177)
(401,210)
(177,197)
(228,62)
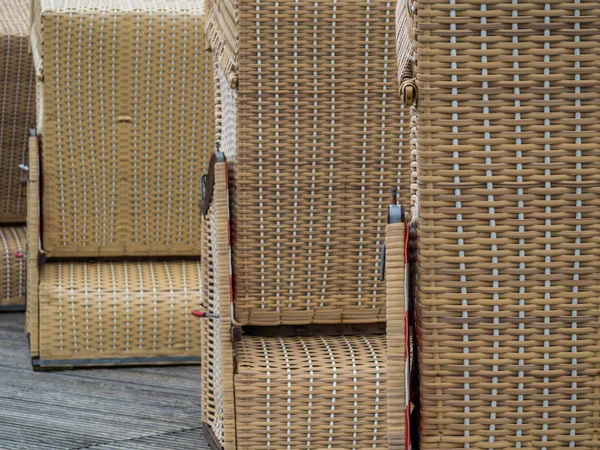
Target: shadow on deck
(100,409)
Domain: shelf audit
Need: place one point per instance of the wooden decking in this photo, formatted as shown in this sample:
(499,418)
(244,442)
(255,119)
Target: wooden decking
(100,409)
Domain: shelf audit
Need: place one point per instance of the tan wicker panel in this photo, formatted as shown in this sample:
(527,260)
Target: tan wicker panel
(397,334)
(318,392)
(127,126)
(311,393)
(218,409)
(13,276)
(17,106)
(33,239)
(94,310)
(316,145)
(509,132)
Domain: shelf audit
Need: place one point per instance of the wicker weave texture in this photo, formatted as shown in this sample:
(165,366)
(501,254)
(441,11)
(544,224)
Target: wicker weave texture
(218,407)
(405,44)
(127,121)
(414,161)
(316,392)
(397,335)
(311,393)
(13,270)
(17,106)
(33,242)
(92,310)
(509,132)
(315,136)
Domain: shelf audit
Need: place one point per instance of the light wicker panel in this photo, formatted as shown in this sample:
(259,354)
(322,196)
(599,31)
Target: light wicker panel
(397,335)
(13,270)
(509,238)
(319,139)
(218,407)
(92,310)
(33,240)
(127,123)
(311,393)
(17,106)
(414,161)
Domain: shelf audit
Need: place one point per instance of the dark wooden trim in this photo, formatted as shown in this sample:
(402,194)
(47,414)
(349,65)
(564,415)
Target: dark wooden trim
(208,182)
(65,364)
(12,308)
(316,329)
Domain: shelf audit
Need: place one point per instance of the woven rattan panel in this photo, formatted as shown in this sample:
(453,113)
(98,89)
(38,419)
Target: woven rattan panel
(13,271)
(127,122)
(119,310)
(17,106)
(397,334)
(316,144)
(218,410)
(33,239)
(509,238)
(316,392)
(414,161)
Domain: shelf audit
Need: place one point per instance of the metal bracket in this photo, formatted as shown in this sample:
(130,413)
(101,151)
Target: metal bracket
(207,182)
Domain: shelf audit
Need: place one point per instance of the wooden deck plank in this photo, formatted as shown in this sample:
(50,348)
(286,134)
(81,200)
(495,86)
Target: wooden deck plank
(102,409)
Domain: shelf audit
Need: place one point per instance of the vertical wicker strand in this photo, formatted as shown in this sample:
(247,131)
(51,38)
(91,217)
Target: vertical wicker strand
(521,230)
(548,236)
(7,264)
(115,308)
(578,231)
(20,263)
(492,223)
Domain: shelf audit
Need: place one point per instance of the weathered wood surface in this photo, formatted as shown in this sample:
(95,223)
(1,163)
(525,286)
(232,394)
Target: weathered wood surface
(99,409)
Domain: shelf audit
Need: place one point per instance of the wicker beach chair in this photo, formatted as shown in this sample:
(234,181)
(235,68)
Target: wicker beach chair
(126,119)
(312,135)
(96,312)
(508,156)
(320,386)
(125,123)
(18,106)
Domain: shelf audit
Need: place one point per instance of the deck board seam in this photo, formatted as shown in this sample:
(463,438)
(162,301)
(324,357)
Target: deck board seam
(121,441)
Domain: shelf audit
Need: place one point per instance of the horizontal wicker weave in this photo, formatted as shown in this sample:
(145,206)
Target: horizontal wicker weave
(17,106)
(13,271)
(313,87)
(93,310)
(509,133)
(312,392)
(127,122)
